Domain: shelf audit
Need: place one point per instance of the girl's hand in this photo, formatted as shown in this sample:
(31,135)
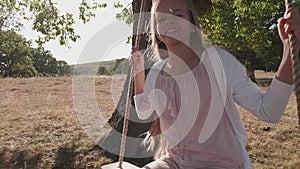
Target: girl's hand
(136,61)
(290,23)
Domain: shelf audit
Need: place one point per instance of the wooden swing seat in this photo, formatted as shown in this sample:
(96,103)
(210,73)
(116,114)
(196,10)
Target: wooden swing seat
(125,165)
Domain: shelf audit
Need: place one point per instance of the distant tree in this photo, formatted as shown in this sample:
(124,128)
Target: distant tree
(15,55)
(41,57)
(51,66)
(272,55)
(46,64)
(19,59)
(63,68)
(102,70)
(23,68)
(121,66)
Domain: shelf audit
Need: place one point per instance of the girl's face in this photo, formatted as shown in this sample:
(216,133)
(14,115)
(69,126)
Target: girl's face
(173,22)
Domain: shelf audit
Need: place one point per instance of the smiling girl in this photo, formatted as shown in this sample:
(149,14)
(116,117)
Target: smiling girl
(194,90)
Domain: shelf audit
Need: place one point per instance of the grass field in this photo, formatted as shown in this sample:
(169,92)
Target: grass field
(39,127)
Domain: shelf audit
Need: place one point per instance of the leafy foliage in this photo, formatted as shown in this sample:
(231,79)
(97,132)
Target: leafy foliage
(23,68)
(46,64)
(8,20)
(15,55)
(19,59)
(48,20)
(63,68)
(242,24)
(247,28)
(120,66)
(125,15)
(85,10)
(102,70)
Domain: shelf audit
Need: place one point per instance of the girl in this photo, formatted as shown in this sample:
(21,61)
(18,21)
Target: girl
(194,90)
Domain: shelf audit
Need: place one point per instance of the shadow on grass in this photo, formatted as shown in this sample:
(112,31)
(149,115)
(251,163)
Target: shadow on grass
(112,143)
(65,158)
(19,159)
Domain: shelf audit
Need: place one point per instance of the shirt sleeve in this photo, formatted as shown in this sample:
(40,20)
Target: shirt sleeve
(143,106)
(142,102)
(268,106)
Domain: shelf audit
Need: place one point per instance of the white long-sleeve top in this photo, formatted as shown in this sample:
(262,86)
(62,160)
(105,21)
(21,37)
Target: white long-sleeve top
(201,104)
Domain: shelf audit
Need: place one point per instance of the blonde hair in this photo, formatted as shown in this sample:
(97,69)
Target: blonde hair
(196,37)
(154,134)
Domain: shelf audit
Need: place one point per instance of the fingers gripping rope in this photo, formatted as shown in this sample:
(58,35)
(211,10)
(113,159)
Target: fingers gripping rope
(130,87)
(295,59)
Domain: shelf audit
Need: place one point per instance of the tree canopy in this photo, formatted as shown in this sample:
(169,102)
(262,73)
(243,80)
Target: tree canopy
(17,56)
(47,18)
(19,59)
(247,28)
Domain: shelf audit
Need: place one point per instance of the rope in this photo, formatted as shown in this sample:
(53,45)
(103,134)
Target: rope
(295,60)
(130,87)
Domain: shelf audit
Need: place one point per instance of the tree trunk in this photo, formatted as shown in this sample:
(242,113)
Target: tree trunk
(251,61)
(251,69)
(251,74)
(136,127)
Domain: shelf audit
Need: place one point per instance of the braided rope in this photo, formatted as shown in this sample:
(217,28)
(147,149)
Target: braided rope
(295,60)
(130,87)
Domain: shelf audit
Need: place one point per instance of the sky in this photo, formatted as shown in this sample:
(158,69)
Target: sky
(103,38)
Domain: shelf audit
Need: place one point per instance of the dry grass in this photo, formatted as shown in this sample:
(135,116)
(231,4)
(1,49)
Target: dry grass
(274,145)
(40,129)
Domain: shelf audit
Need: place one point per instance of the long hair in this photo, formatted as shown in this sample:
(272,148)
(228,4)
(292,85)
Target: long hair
(195,37)
(154,134)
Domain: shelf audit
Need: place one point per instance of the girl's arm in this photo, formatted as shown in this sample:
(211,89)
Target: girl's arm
(287,24)
(137,62)
(142,103)
(269,106)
